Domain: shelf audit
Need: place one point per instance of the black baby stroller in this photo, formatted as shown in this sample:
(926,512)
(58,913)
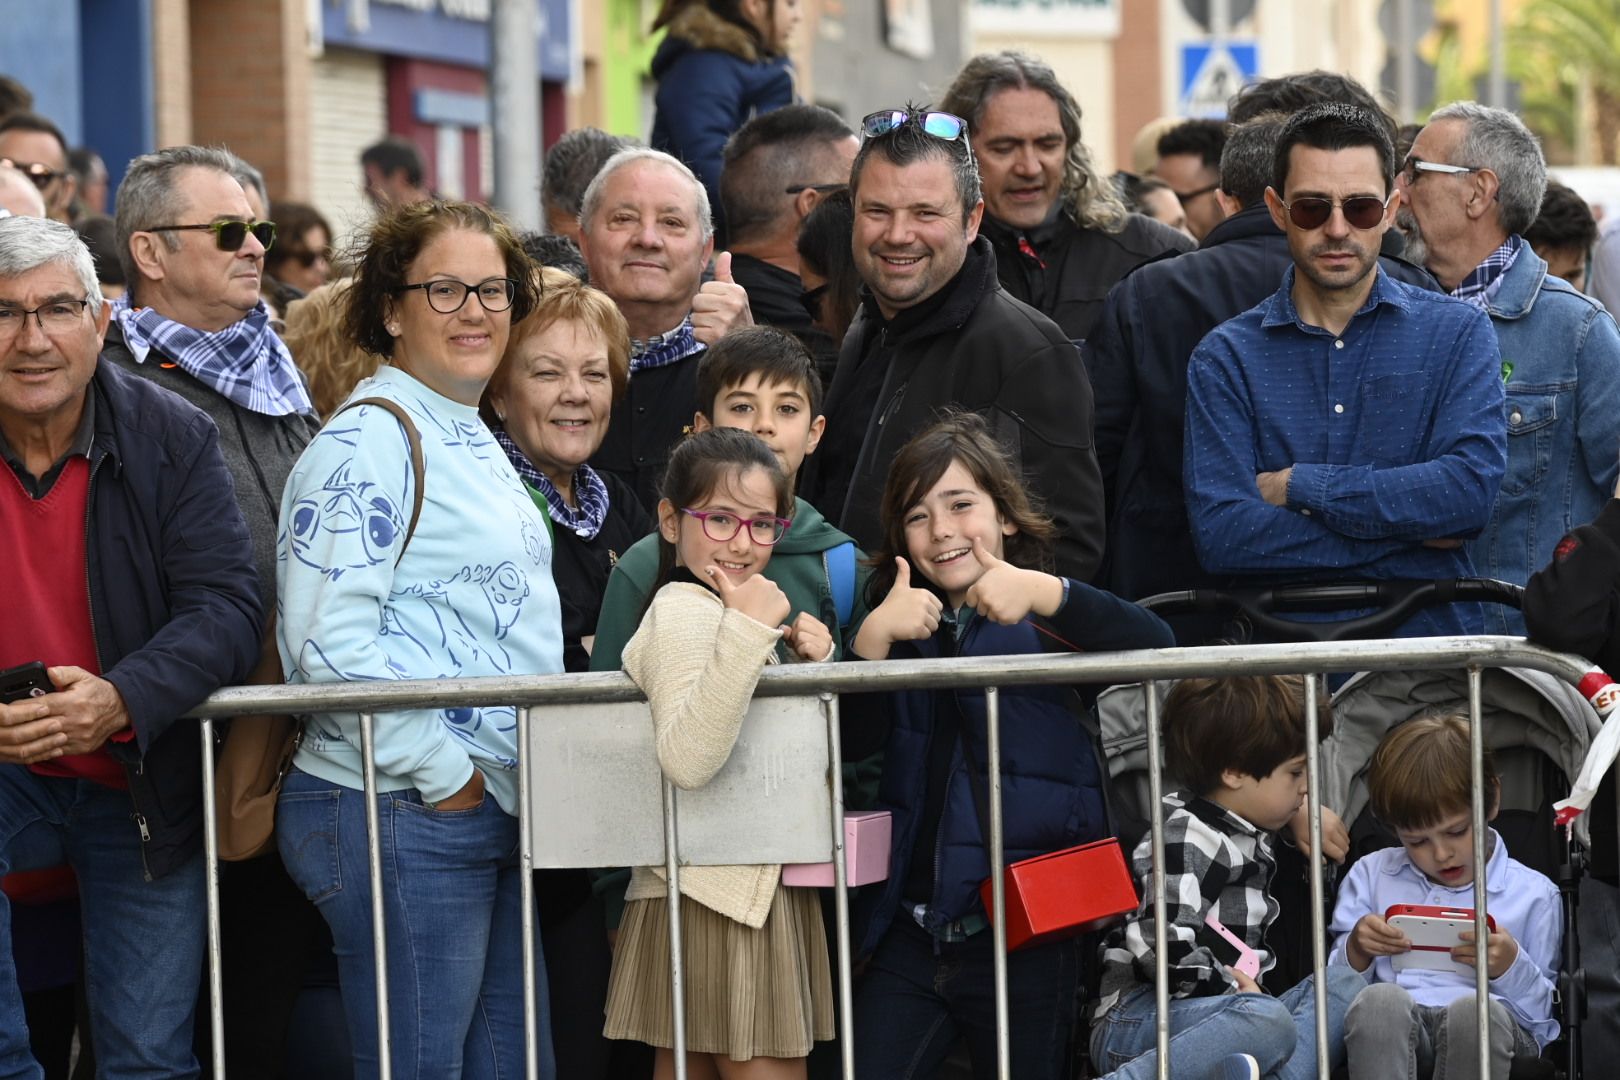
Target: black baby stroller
(1537,727)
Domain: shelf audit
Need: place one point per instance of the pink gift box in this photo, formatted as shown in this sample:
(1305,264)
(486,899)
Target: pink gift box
(866,854)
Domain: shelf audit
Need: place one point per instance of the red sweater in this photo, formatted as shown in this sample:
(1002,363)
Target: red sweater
(45,606)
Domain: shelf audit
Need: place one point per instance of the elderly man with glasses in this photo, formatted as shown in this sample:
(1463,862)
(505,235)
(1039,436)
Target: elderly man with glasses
(130,597)
(936,330)
(35,147)
(1472,185)
(1350,426)
(774,171)
(193,323)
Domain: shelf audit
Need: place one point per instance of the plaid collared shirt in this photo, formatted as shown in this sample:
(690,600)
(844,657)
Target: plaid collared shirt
(664,349)
(1480,286)
(1212,859)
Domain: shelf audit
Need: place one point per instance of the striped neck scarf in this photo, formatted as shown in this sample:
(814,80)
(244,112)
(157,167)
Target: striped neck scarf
(246,362)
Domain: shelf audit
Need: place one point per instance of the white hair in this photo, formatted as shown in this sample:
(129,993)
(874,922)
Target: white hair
(28,243)
(1497,140)
(629,156)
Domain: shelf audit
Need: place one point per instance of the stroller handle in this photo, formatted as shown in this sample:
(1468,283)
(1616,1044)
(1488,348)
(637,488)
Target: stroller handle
(1395,601)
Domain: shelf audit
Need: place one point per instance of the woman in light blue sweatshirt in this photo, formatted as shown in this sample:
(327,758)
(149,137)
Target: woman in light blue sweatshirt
(369,591)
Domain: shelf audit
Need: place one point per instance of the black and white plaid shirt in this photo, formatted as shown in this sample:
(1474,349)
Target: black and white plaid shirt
(1212,858)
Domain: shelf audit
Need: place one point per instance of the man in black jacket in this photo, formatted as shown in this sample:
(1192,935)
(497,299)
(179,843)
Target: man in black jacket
(1138,358)
(936,330)
(775,169)
(130,577)
(1061,233)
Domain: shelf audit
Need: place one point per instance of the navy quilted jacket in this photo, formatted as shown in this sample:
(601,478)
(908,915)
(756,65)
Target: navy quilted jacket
(1052,794)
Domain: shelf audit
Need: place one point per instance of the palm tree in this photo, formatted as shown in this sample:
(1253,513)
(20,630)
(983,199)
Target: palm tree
(1559,46)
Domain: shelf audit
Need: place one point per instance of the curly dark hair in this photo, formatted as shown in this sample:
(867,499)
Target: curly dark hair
(386,251)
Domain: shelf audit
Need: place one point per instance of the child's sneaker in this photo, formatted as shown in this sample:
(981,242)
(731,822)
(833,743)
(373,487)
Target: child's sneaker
(1236,1067)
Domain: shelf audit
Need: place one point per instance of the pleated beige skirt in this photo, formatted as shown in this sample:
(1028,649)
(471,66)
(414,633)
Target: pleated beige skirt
(749,993)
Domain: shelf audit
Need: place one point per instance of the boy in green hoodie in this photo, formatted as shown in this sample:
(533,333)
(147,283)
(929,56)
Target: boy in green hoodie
(764,381)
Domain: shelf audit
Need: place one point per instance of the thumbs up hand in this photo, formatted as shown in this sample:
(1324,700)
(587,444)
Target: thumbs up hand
(721,305)
(809,638)
(760,598)
(906,614)
(1006,594)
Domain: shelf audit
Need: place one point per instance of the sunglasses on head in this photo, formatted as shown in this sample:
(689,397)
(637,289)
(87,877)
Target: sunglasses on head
(941,125)
(1360,212)
(229,235)
(41,175)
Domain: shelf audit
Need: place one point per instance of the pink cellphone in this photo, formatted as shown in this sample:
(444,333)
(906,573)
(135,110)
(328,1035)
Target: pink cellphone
(1434,932)
(1228,948)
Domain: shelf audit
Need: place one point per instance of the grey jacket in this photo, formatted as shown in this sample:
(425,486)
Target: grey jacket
(259,450)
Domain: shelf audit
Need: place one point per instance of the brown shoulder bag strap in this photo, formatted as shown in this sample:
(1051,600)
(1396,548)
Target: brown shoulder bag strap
(418,465)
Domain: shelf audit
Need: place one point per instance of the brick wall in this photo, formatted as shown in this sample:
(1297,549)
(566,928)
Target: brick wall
(1137,84)
(250,86)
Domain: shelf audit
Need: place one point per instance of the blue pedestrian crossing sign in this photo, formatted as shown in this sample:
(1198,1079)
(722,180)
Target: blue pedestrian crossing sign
(1211,73)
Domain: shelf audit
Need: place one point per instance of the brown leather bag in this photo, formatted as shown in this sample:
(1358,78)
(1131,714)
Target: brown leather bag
(258,750)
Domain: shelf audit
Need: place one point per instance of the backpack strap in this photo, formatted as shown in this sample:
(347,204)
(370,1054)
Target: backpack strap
(418,464)
(841,579)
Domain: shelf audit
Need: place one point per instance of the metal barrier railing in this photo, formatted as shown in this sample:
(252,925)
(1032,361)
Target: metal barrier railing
(822,682)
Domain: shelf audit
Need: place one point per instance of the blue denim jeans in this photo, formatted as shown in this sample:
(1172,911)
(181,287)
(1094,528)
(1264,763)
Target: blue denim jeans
(1279,1031)
(453,913)
(143,940)
(917,998)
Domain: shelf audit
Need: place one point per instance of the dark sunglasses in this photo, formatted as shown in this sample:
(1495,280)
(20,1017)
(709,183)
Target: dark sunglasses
(1185,197)
(941,125)
(229,235)
(41,175)
(811,300)
(1361,212)
(306,259)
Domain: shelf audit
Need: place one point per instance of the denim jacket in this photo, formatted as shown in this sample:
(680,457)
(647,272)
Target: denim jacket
(1561,360)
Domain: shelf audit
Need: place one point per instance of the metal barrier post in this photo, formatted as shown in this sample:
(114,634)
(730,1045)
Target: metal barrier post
(672,881)
(998,883)
(379,932)
(531,1007)
(1161,962)
(846,977)
(216,985)
(1313,796)
(1476,764)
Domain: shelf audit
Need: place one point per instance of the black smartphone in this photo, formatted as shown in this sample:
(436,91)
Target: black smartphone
(24,681)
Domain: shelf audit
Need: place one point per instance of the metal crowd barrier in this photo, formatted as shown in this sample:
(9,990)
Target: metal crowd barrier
(818,684)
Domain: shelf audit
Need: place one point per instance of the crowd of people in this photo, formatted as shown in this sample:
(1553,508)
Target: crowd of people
(773,389)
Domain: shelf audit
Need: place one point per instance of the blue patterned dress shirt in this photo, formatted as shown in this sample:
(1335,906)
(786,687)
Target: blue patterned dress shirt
(1394,430)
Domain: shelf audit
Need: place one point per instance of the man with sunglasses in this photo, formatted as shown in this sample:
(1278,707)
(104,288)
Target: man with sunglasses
(1062,235)
(1472,185)
(1137,359)
(936,329)
(193,322)
(129,577)
(35,146)
(1349,426)
(774,171)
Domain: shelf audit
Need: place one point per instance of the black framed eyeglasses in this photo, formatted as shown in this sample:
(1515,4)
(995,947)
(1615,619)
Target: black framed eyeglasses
(228,235)
(941,125)
(54,317)
(1413,167)
(722,527)
(1185,197)
(821,189)
(1360,212)
(447,296)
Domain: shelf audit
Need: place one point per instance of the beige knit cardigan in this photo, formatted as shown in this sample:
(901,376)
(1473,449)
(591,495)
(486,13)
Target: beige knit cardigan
(698,662)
